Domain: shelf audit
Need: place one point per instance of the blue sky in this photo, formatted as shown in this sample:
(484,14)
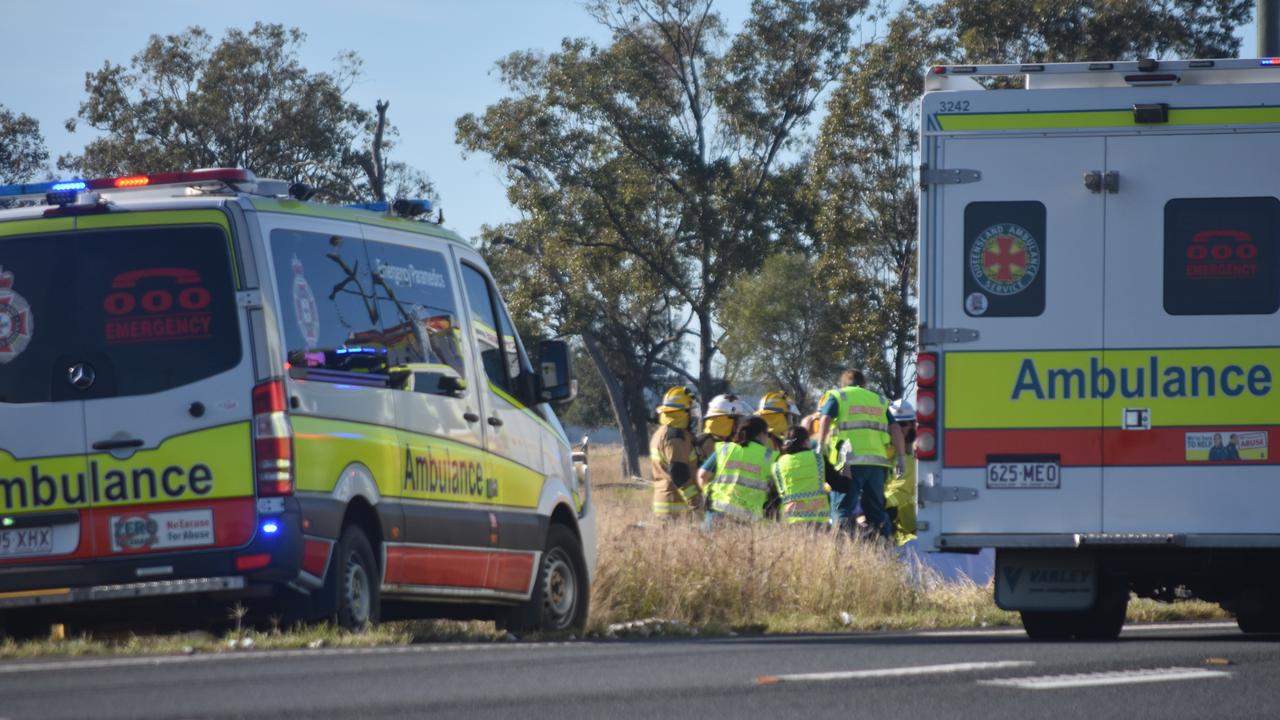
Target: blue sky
(432,59)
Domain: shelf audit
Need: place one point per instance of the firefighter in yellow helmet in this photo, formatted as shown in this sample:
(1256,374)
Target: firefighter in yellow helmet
(775,409)
(724,412)
(671,451)
(900,488)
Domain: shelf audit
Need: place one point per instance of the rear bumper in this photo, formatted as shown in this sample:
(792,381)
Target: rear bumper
(264,561)
(1071,541)
(67,596)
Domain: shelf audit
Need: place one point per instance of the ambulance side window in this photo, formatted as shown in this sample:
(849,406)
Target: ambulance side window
(328,308)
(421,331)
(1221,256)
(499,350)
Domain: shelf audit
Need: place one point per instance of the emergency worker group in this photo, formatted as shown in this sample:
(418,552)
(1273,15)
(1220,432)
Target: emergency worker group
(850,466)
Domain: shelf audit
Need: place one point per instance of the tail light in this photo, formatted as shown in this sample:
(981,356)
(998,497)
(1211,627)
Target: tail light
(272,440)
(927,406)
(926,443)
(927,369)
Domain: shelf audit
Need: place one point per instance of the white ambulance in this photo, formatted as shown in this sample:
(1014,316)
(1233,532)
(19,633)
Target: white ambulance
(1100,349)
(211,387)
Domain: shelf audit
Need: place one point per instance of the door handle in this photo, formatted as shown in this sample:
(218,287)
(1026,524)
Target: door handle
(470,417)
(117,444)
(495,421)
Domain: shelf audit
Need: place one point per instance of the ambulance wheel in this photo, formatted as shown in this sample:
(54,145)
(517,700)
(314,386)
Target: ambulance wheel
(560,593)
(1258,612)
(356,576)
(1106,619)
(1049,625)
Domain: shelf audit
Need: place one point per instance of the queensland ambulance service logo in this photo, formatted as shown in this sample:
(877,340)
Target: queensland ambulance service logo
(16,320)
(305,309)
(1004,259)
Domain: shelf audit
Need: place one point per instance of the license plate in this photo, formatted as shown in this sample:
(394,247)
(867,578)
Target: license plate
(1020,473)
(21,542)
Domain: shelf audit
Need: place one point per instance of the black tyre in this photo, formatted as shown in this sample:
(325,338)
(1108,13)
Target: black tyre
(1049,625)
(1106,619)
(1101,622)
(560,596)
(1258,612)
(356,581)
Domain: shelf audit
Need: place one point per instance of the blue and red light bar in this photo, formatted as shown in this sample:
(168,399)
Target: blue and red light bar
(66,190)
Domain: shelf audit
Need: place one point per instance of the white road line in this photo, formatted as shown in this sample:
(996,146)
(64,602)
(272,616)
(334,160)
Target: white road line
(157,660)
(893,672)
(1156,627)
(1007,632)
(1121,677)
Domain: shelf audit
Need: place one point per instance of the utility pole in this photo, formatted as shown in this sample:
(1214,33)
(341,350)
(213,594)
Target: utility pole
(1268,16)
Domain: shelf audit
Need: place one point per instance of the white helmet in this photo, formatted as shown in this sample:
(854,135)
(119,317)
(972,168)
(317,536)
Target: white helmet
(728,404)
(902,410)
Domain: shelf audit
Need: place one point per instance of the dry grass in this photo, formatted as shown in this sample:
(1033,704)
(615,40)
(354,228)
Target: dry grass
(777,578)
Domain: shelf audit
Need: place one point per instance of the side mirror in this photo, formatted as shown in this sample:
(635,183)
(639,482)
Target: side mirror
(555,381)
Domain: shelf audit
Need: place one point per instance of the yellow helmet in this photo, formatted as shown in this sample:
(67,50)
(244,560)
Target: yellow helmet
(677,399)
(774,402)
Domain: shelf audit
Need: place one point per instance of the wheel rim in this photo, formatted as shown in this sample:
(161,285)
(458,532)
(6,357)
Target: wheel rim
(358,590)
(560,590)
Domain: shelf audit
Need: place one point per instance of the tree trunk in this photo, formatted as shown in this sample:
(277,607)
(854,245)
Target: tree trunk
(617,401)
(706,351)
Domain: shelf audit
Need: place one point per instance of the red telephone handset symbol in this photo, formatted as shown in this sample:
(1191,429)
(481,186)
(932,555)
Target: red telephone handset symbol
(181,276)
(159,300)
(1236,244)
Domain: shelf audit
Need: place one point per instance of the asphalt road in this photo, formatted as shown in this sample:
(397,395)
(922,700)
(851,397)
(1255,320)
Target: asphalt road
(1154,671)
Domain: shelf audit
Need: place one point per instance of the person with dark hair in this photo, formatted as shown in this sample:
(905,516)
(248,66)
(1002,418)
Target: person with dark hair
(798,476)
(736,476)
(857,431)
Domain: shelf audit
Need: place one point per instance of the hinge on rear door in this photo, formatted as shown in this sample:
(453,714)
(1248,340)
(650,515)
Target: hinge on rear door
(249,299)
(941,336)
(944,493)
(939,176)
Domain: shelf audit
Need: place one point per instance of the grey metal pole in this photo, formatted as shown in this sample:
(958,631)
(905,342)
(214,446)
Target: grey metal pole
(1268,28)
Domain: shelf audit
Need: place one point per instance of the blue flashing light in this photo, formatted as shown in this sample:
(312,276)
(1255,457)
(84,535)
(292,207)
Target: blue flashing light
(68,185)
(374,206)
(356,350)
(1269,61)
(270,527)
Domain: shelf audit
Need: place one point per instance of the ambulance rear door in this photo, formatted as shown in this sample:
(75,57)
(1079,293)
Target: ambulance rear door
(42,440)
(1021,248)
(1192,337)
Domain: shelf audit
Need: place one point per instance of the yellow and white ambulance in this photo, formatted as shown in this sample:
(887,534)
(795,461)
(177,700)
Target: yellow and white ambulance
(212,387)
(1099,283)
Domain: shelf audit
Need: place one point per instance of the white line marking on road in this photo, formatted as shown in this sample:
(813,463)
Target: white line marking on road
(156,660)
(1121,677)
(1154,627)
(894,672)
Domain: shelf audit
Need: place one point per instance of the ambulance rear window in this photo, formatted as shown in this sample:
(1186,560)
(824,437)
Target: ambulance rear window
(136,310)
(1221,256)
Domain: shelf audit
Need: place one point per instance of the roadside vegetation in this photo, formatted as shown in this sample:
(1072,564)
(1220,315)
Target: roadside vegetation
(657,579)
